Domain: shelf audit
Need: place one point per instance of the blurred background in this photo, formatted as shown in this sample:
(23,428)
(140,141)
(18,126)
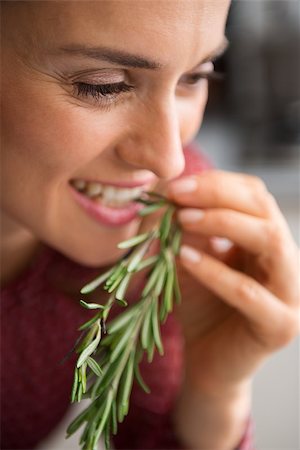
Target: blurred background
(252,125)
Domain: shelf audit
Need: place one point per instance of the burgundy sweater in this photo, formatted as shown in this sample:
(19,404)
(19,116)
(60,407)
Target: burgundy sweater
(39,327)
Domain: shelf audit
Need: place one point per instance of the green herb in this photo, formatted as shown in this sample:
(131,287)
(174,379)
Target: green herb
(109,354)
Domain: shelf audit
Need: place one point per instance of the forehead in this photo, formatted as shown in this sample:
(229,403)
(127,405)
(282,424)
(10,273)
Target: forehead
(186,28)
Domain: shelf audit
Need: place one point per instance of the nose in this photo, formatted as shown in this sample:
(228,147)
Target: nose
(154,140)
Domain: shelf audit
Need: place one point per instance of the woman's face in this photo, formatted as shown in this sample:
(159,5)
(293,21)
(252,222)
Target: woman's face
(98,93)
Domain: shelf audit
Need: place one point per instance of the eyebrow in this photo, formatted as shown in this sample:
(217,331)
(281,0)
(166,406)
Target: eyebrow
(126,59)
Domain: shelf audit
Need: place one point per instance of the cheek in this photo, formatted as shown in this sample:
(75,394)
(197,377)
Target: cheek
(53,134)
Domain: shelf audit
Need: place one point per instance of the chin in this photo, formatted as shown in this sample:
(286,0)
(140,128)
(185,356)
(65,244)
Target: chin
(93,259)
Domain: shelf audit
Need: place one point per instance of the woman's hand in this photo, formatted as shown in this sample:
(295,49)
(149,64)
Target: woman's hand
(239,305)
(242,304)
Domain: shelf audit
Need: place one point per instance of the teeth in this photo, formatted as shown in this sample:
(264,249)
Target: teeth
(107,195)
(80,185)
(93,189)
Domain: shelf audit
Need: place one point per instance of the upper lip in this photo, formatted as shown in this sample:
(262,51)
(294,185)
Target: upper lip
(121,184)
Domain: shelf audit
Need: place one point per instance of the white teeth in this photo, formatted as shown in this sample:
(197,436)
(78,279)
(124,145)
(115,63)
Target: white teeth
(93,189)
(136,192)
(107,195)
(79,184)
(124,195)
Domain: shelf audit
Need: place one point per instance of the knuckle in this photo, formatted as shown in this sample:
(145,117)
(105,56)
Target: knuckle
(271,200)
(258,184)
(264,199)
(287,331)
(219,275)
(276,240)
(225,220)
(247,290)
(270,203)
(215,192)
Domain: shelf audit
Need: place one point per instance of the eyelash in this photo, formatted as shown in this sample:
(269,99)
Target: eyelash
(193,79)
(108,92)
(100,91)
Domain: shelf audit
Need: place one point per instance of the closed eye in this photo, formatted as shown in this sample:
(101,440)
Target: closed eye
(100,91)
(196,77)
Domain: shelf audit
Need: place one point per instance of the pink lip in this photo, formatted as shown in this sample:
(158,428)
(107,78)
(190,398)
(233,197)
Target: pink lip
(105,215)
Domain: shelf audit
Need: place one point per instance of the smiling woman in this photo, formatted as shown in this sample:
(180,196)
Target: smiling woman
(100,101)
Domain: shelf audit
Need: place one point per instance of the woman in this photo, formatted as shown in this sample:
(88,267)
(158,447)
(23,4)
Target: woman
(107,94)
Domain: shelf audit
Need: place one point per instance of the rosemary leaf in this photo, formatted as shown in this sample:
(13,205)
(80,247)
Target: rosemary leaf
(94,366)
(166,223)
(125,387)
(119,269)
(77,422)
(79,393)
(83,376)
(95,283)
(162,312)
(123,286)
(90,322)
(152,280)
(134,241)
(176,288)
(124,338)
(107,378)
(121,320)
(115,284)
(114,421)
(176,241)
(150,209)
(89,349)
(91,305)
(168,293)
(107,435)
(155,328)
(75,386)
(138,255)
(147,262)
(139,378)
(121,302)
(147,333)
(158,196)
(104,416)
(160,281)
(150,350)
(88,338)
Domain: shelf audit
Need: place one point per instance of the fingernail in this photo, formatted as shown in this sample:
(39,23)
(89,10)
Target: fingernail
(183,185)
(221,245)
(190,215)
(189,254)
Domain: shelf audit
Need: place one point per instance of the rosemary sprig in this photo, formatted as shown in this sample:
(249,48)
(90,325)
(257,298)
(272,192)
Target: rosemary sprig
(106,366)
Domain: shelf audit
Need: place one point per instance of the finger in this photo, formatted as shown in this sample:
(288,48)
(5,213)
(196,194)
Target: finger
(275,324)
(269,241)
(246,231)
(218,189)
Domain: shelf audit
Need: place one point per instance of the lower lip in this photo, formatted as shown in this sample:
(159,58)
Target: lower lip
(104,214)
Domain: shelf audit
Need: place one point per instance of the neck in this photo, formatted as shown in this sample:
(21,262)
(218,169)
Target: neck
(18,247)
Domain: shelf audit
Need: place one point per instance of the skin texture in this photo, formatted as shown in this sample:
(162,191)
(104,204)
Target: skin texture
(240,305)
